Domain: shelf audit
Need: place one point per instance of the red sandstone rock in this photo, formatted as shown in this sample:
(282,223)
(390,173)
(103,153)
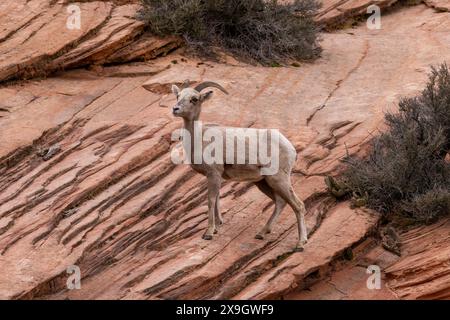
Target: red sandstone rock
(441,5)
(348,279)
(112,202)
(336,12)
(424,270)
(35,39)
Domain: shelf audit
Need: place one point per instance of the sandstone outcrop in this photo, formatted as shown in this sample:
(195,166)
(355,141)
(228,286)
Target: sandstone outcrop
(423,272)
(39,37)
(337,12)
(86,177)
(441,5)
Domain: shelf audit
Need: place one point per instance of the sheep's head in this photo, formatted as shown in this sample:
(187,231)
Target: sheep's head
(189,100)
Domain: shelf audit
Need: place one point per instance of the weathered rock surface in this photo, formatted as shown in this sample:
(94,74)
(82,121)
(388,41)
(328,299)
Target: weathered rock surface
(421,272)
(424,270)
(86,176)
(442,5)
(338,12)
(39,37)
(350,277)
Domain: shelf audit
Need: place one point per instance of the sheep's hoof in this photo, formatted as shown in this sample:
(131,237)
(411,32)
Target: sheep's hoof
(207,237)
(259,236)
(299,249)
(300,246)
(215,231)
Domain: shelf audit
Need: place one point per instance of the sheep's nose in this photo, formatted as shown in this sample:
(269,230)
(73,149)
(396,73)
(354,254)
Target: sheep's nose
(175,109)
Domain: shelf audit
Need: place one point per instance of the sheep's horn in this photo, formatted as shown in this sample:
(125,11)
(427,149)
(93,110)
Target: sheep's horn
(208,84)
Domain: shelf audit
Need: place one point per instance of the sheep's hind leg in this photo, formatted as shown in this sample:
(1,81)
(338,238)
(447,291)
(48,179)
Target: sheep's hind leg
(279,206)
(282,186)
(218,215)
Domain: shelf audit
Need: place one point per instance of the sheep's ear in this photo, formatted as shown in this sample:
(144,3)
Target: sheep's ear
(206,96)
(175,90)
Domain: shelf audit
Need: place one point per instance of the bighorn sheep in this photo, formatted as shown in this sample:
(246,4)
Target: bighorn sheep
(277,186)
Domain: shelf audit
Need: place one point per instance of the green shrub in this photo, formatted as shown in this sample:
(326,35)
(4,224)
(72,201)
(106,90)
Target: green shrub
(254,30)
(406,171)
(427,207)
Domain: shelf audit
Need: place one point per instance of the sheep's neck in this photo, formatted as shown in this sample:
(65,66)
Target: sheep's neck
(189,143)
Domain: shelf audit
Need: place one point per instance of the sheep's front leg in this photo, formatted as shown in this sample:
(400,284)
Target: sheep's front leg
(213,194)
(218,216)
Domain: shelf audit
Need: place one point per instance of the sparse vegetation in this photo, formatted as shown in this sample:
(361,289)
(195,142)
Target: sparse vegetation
(263,31)
(407,171)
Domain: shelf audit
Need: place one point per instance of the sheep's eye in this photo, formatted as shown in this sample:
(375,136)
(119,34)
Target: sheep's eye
(194,100)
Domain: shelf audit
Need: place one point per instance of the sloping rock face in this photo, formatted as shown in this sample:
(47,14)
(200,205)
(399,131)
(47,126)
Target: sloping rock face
(442,5)
(350,276)
(38,37)
(335,12)
(421,272)
(86,177)
(424,270)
